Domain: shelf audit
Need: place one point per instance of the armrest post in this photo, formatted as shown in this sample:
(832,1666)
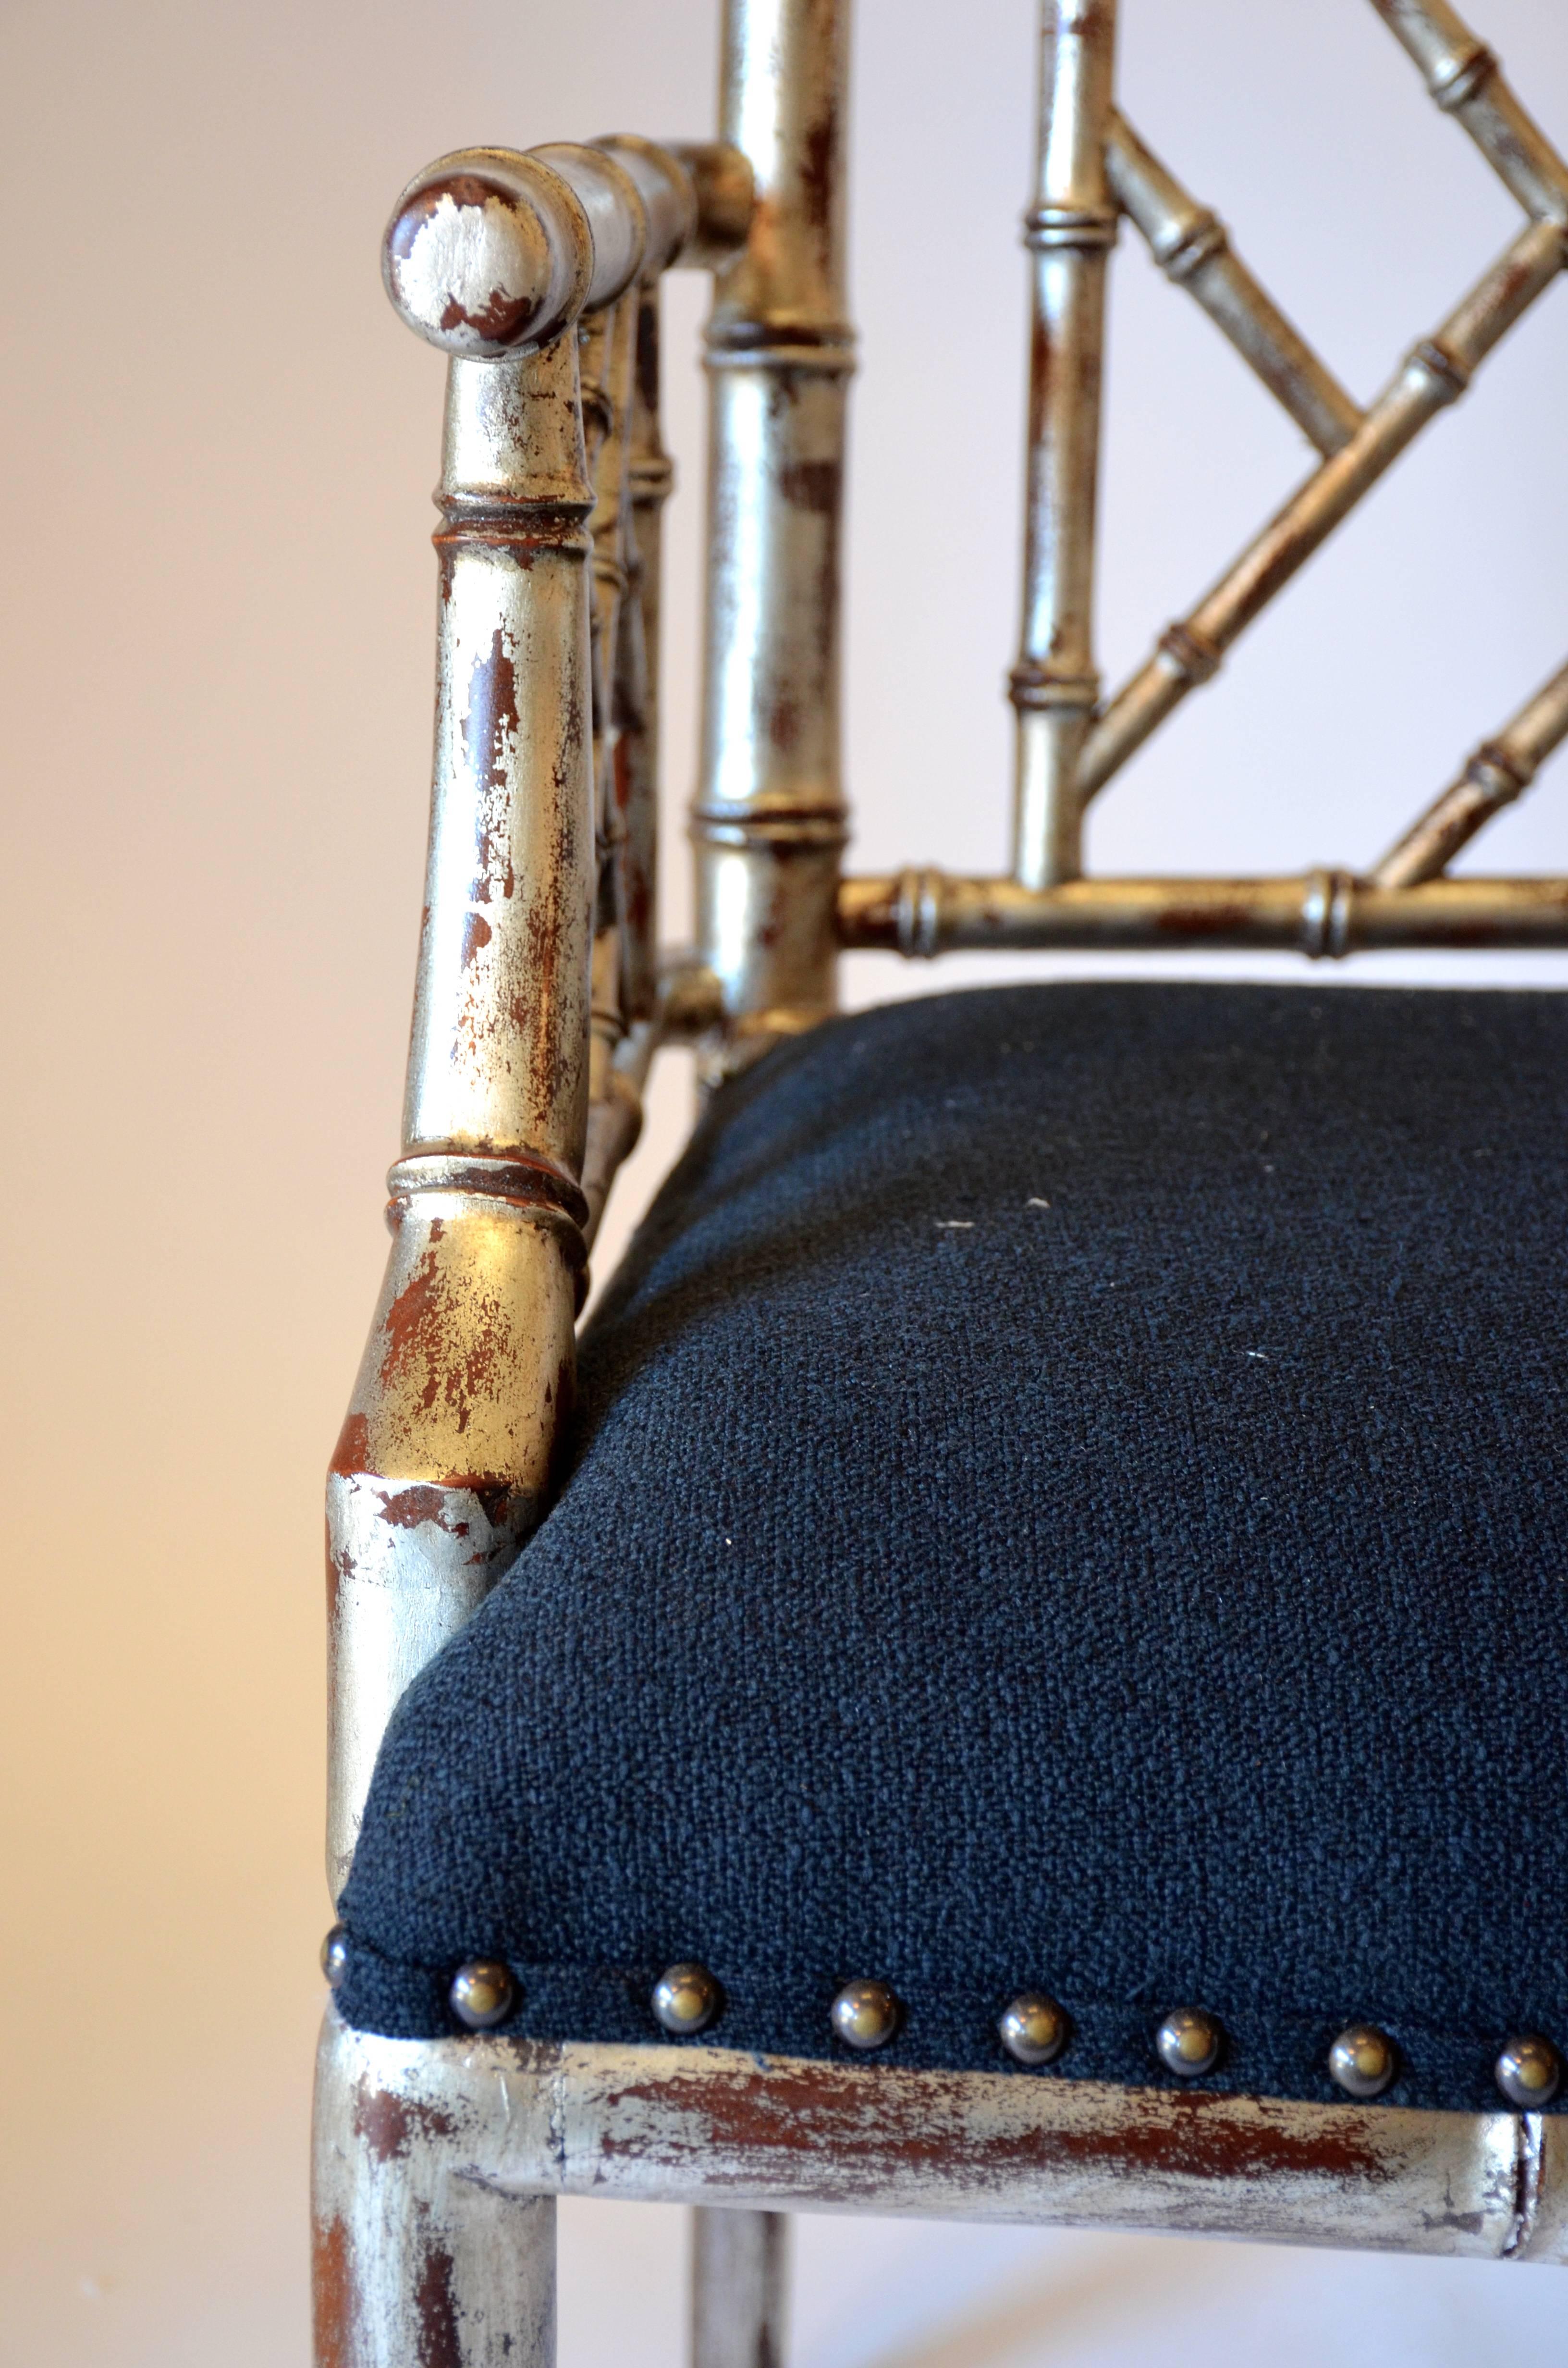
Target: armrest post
(447,1455)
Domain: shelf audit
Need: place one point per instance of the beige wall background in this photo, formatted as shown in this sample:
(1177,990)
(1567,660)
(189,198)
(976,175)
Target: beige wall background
(216,663)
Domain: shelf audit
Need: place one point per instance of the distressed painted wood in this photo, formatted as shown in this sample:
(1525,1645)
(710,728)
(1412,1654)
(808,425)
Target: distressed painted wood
(1068,228)
(707,2126)
(415,2263)
(768,820)
(1324,915)
(525,270)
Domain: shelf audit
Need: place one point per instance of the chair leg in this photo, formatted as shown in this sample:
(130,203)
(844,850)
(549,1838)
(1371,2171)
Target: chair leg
(739,2280)
(418,2265)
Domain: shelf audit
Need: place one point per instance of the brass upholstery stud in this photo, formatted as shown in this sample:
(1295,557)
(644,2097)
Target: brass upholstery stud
(1034,2029)
(1190,2043)
(865,2014)
(334,1956)
(686,1999)
(1363,2060)
(1529,2071)
(482,1993)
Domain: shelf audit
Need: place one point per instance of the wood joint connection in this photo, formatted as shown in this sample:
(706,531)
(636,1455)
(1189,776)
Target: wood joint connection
(1457,81)
(1450,375)
(1197,242)
(1501,772)
(1033,686)
(532,1183)
(1192,655)
(919,914)
(1327,910)
(1089,228)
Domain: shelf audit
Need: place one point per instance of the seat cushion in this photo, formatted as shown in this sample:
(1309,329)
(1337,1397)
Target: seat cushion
(1069,1495)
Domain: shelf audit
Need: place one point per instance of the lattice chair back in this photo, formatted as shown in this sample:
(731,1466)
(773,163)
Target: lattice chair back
(1094,169)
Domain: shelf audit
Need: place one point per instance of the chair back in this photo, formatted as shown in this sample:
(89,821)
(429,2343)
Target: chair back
(770,812)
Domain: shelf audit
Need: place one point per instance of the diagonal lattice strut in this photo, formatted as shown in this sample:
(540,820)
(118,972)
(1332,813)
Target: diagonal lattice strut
(1464,78)
(1193,249)
(1435,374)
(1498,771)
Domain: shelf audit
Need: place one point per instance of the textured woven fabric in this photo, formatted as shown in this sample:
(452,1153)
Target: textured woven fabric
(1069,1495)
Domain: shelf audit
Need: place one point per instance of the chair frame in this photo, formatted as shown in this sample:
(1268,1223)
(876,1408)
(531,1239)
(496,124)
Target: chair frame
(541,999)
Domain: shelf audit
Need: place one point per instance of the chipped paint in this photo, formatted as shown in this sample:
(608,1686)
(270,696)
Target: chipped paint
(451,1447)
(420,2261)
(705,2124)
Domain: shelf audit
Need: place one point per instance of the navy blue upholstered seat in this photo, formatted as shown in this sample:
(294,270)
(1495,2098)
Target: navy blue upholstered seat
(1070,1494)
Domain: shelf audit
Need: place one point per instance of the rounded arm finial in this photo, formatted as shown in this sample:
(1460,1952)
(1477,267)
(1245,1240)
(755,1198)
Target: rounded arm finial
(487,251)
(491,252)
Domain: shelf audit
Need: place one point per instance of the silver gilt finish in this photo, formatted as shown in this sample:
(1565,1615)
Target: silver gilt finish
(1323,914)
(707,2126)
(768,822)
(1467,82)
(487,251)
(1193,249)
(416,2264)
(1434,374)
(1069,229)
(635,692)
(1404,901)
(444,1462)
(1497,772)
(444,1459)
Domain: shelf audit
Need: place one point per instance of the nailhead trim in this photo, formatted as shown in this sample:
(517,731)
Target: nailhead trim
(1089,2032)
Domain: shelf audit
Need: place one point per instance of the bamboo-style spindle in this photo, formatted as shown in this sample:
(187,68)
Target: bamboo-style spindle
(698,201)
(447,1452)
(1324,915)
(607,364)
(1192,247)
(768,821)
(1493,776)
(1436,374)
(626,755)
(651,476)
(642,477)
(1069,229)
(1465,79)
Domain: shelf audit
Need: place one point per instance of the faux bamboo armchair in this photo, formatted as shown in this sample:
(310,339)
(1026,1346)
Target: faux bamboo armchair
(496,2038)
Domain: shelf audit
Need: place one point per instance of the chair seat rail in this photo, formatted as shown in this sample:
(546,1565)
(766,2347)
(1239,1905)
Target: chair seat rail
(710,2126)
